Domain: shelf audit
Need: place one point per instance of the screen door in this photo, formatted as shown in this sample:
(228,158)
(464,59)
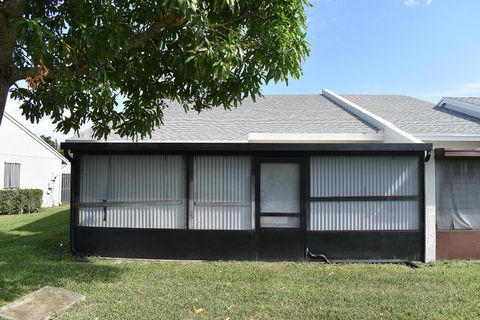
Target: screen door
(279,208)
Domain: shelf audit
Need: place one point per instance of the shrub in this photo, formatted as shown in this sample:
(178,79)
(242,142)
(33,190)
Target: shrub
(18,201)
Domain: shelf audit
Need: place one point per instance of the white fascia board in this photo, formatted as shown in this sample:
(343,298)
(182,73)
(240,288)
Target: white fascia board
(314,137)
(448,137)
(35,137)
(391,132)
(461,107)
(79,141)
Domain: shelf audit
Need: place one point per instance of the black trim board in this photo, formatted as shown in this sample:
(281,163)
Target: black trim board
(107,147)
(457,153)
(364,198)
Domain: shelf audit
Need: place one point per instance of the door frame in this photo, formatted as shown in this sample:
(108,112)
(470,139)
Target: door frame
(283,233)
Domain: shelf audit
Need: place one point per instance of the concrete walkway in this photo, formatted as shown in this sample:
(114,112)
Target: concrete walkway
(41,304)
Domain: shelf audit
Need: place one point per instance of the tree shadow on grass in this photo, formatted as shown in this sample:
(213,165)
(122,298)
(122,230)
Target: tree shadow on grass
(37,254)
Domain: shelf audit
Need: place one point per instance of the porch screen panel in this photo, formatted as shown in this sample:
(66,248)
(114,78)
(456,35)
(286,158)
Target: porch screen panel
(356,193)
(221,193)
(458,194)
(133,191)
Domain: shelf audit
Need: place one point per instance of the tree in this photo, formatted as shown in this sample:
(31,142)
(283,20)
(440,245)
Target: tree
(51,142)
(80,57)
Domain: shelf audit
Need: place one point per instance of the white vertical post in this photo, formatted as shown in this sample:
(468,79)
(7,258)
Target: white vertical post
(430,210)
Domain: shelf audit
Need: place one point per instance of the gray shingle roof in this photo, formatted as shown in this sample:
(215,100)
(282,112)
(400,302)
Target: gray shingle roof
(306,114)
(417,116)
(470,100)
(270,114)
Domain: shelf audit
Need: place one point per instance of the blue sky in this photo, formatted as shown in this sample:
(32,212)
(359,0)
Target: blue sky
(422,48)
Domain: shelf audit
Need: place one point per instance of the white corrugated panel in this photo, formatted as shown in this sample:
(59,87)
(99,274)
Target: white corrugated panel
(363,176)
(156,180)
(221,193)
(91,217)
(94,178)
(347,176)
(364,215)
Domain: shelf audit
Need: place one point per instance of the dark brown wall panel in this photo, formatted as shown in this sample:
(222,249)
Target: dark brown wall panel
(457,244)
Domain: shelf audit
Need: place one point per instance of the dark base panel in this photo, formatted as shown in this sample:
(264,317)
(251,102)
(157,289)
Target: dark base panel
(463,245)
(366,245)
(280,245)
(266,245)
(166,244)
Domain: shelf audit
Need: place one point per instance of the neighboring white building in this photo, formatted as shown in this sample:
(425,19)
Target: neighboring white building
(28,162)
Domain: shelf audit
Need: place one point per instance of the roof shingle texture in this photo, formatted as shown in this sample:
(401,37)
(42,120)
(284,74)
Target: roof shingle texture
(417,116)
(269,114)
(470,100)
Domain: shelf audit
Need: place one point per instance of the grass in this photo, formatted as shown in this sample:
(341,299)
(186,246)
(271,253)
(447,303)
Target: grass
(31,257)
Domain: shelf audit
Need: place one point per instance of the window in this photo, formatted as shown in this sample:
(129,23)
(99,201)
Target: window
(279,195)
(364,193)
(457,193)
(11,175)
(133,191)
(221,195)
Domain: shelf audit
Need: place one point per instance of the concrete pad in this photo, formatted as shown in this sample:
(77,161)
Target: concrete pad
(41,304)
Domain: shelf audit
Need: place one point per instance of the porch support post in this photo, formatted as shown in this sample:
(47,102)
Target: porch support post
(430,211)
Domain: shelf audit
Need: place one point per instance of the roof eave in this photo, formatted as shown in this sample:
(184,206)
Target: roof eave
(36,138)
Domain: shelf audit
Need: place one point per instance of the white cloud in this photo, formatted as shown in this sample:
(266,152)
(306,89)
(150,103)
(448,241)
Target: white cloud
(410,3)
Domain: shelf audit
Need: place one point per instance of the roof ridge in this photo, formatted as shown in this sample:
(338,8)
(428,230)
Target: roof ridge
(35,137)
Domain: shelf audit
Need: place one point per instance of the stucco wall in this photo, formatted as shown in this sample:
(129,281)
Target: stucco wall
(40,167)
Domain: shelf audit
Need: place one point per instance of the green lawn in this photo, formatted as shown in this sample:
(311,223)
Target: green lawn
(31,257)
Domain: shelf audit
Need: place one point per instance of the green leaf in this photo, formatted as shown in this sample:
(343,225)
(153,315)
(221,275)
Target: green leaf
(208,54)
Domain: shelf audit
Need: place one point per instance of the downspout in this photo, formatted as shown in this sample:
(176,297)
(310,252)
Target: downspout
(428,155)
(72,201)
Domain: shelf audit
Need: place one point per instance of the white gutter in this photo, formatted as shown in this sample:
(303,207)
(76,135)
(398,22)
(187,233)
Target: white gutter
(392,134)
(461,107)
(314,137)
(448,137)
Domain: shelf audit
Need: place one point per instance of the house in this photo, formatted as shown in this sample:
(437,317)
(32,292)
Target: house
(284,178)
(288,177)
(28,162)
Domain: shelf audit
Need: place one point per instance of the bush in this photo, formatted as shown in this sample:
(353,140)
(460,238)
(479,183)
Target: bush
(18,201)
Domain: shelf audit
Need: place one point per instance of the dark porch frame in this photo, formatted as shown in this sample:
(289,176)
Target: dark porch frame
(243,245)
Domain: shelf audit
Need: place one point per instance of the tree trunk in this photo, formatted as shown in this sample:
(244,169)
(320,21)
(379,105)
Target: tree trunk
(4,86)
(10,11)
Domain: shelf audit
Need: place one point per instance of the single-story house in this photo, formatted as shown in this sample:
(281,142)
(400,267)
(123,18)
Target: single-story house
(28,162)
(288,177)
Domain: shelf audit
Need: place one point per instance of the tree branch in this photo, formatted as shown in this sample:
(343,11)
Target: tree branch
(137,41)
(13,8)
(141,39)
(22,73)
